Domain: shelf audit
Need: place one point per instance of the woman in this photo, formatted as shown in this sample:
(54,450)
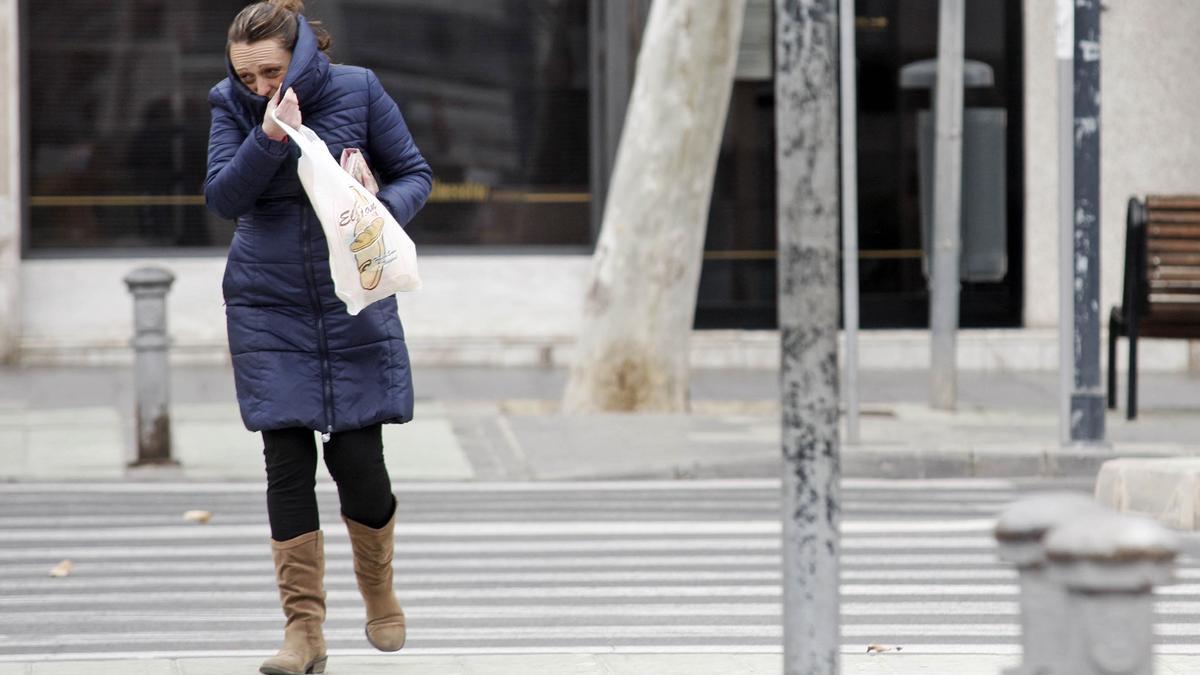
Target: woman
(301,362)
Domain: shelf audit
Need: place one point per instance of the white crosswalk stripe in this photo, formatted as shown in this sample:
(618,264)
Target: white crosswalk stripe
(510,568)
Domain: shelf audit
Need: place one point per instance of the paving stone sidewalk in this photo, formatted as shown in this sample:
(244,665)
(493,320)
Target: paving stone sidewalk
(503,424)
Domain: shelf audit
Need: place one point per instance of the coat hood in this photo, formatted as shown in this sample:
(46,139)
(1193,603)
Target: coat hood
(308,72)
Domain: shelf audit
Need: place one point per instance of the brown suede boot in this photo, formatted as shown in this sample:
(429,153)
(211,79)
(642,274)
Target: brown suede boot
(373,569)
(300,573)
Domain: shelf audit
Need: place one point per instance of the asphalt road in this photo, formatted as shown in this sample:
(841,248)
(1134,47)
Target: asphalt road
(515,568)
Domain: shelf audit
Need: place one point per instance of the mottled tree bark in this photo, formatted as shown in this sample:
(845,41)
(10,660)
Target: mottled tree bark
(10,212)
(632,351)
(806,99)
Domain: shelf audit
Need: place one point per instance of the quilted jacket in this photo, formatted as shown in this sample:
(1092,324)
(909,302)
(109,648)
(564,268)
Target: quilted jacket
(299,359)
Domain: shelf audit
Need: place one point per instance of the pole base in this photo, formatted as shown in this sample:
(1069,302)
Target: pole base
(153,461)
(151,469)
(1088,409)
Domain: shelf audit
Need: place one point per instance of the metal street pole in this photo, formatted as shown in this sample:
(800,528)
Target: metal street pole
(849,89)
(1066,214)
(806,95)
(1088,396)
(947,206)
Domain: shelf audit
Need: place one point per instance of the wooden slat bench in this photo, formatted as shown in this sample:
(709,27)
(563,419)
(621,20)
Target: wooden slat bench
(1162,281)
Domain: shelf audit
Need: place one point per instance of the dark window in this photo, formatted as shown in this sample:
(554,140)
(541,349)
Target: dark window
(894,289)
(117,121)
(738,280)
(495,94)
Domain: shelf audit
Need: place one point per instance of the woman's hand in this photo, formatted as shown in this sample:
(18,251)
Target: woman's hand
(288,110)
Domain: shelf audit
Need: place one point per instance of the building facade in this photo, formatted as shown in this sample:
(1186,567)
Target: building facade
(518,104)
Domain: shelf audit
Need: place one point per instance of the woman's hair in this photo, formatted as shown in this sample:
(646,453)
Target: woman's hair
(274,20)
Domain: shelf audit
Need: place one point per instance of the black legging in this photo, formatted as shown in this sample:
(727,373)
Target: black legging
(355,461)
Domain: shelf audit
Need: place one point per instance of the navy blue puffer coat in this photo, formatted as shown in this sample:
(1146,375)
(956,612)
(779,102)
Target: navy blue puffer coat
(299,359)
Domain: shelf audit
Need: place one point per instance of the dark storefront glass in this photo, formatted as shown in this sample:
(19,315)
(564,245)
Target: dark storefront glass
(737,281)
(494,91)
(890,35)
(737,287)
(117,122)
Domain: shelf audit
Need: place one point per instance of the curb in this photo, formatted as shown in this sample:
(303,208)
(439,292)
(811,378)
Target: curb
(900,462)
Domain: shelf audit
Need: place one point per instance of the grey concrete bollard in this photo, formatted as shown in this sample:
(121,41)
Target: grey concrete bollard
(1109,564)
(149,286)
(1020,533)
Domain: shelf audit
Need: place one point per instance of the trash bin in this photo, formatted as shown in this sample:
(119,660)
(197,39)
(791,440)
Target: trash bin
(984,217)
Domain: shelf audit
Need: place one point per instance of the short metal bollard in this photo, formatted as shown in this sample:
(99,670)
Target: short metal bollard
(1109,564)
(1020,533)
(149,286)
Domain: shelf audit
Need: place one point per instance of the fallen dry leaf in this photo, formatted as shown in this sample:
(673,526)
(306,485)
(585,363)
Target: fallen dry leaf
(201,517)
(62,569)
(876,648)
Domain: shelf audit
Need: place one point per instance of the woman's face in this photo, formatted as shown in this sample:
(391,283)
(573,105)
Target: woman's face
(260,65)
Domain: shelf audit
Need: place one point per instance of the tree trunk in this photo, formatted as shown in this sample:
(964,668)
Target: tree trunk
(10,196)
(632,351)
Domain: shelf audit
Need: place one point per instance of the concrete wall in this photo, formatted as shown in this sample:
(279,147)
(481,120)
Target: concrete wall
(10,190)
(473,308)
(1150,131)
(1041,166)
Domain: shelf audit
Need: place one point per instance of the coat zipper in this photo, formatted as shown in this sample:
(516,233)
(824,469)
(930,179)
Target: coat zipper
(315,298)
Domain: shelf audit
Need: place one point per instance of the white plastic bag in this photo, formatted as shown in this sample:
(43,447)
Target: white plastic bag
(370,255)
